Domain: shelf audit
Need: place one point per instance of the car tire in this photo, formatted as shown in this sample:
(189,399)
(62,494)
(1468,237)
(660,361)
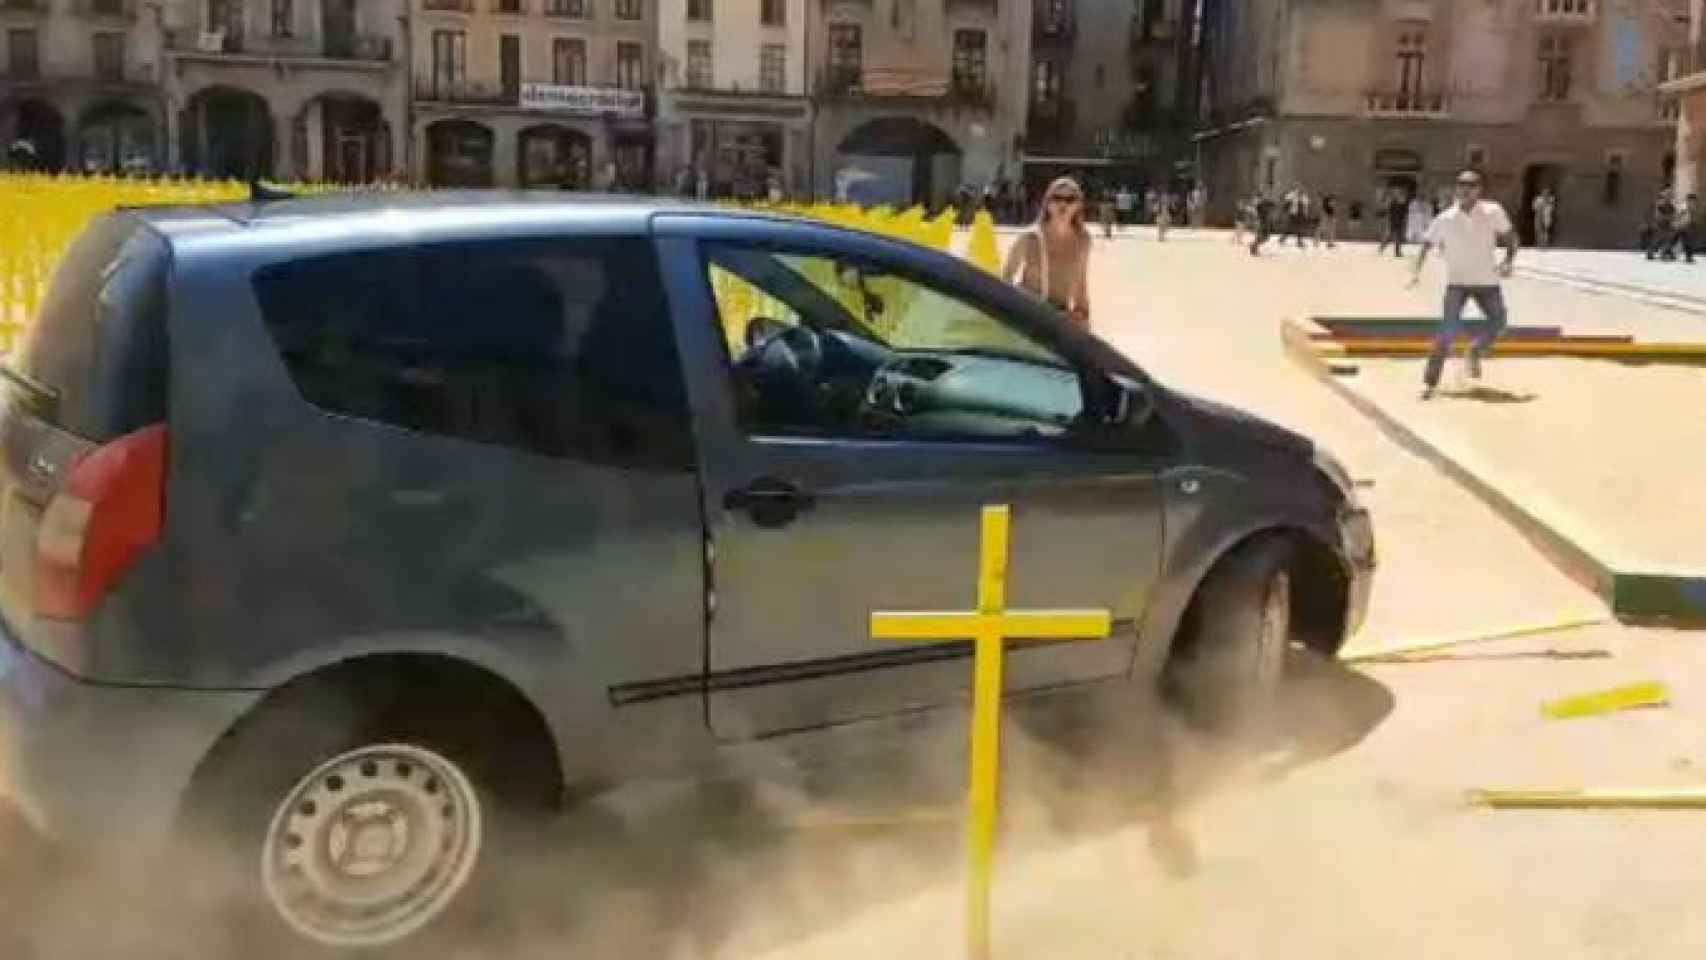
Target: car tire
(325,825)
(1235,638)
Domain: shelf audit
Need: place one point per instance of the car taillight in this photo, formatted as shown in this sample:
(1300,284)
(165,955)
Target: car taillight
(110,508)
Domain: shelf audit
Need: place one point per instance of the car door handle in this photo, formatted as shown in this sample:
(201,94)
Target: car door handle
(771,502)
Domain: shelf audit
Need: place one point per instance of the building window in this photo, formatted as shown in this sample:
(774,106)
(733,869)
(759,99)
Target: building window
(846,56)
(109,56)
(283,17)
(508,6)
(1412,57)
(971,60)
(772,67)
(629,60)
(1554,67)
(699,10)
(509,64)
(449,63)
(628,9)
(573,9)
(1045,91)
(773,13)
(568,61)
(108,8)
(22,59)
(699,75)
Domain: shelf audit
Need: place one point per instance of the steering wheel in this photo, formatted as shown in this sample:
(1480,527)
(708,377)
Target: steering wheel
(791,351)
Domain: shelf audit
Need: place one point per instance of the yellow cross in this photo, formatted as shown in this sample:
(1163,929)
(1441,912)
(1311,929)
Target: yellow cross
(988,626)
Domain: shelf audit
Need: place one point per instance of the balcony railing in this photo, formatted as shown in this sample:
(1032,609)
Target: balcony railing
(107,9)
(569,9)
(215,44)
(465,91)
(448,6)
(894,87)
(991,7)
(1565,12)
(1407,105)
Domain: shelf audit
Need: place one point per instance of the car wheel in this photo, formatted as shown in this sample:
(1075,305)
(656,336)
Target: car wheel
(327,827)
(1231,654)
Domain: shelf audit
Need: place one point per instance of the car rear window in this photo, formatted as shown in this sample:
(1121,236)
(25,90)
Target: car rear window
(558,347)
(100,336)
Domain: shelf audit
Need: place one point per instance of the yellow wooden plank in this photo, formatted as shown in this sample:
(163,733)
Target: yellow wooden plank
(1681,798)
(925,625)
(1647,694)
(1396,652)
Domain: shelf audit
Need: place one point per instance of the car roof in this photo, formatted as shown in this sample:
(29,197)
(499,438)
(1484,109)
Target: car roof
(428,212)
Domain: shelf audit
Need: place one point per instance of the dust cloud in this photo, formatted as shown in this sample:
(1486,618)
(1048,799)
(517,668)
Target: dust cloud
(856,819)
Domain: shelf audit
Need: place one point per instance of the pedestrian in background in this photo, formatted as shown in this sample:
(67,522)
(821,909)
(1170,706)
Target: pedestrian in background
(1106,208)
(1397,223)
(1661,222)
(1243,220)
(1163,214)
(1124,204)
(1682,228)
(1327,226)
(1468,232)
(1052,258)
(1545,214)
(1296,202)
(1264,222)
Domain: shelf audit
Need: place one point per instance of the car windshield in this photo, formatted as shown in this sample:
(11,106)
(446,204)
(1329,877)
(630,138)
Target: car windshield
(879,306)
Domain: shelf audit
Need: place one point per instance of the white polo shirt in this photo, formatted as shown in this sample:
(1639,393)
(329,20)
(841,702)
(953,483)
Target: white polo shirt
(1469,240)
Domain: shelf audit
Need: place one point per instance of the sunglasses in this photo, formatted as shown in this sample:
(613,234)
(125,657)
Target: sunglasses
(1065,198)
(1468,184)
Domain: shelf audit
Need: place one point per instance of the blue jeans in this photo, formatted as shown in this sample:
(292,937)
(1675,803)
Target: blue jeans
(1491,300)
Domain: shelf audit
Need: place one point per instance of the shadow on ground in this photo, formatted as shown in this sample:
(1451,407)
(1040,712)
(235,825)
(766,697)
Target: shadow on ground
(866,817)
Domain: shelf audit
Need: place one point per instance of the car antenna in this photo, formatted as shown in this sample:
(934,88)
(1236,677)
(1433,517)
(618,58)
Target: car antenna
(260,192)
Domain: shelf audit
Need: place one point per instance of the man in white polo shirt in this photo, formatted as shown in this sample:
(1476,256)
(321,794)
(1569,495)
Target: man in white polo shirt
(1468,232)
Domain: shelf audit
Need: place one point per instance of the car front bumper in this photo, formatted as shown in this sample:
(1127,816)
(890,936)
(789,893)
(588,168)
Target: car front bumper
(96,767)
(1356,534)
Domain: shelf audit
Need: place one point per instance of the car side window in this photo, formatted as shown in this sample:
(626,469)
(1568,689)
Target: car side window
(830,346)
(557,347)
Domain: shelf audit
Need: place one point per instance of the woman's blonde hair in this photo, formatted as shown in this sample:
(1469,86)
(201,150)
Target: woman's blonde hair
(1077,215)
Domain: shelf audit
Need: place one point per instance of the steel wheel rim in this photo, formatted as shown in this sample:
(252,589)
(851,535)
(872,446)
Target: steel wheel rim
(372,845)
(1275,632)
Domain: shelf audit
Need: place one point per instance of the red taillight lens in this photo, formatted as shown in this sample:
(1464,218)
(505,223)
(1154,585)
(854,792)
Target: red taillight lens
(110,509)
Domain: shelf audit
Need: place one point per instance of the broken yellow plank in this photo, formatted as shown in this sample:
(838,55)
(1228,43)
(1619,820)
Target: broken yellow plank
(1648,694)
(1397,652)
(1674,798)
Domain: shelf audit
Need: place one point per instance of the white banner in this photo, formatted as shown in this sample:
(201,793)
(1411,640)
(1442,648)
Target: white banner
(588,100)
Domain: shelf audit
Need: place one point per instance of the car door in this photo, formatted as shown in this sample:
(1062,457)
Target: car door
(817,519)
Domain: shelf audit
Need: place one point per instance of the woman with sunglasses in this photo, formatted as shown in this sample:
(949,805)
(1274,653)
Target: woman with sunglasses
(1052,259)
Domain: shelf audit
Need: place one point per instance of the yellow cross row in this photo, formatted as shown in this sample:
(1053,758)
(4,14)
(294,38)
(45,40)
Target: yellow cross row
(988,626)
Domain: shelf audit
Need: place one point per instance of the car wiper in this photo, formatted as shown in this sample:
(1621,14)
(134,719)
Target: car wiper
(30,385)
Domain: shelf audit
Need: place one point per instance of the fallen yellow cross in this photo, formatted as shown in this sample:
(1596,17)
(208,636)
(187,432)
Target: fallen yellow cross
(1679,798)
(988,626)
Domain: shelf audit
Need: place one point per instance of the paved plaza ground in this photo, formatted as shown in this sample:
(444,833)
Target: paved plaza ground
(1350,837)
(1372,850)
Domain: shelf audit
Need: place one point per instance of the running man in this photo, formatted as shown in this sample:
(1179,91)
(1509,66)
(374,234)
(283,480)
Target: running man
(1468,233)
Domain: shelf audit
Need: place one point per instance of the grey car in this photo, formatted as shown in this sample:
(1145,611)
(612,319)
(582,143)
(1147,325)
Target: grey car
(351,532)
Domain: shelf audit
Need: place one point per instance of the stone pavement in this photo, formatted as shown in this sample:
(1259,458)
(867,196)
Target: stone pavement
(1369,848)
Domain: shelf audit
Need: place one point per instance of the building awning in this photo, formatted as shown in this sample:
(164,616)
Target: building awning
(1082,161)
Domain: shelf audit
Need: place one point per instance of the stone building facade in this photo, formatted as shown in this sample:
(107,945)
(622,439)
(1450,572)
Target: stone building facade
(80,84)
(916,97)
(285,89)
(734,113)
(534,93)
(1106,90)
(1687,83)
(1354,98)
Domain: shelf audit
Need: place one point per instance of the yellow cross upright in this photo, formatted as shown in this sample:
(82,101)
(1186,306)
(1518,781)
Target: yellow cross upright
(988,626)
